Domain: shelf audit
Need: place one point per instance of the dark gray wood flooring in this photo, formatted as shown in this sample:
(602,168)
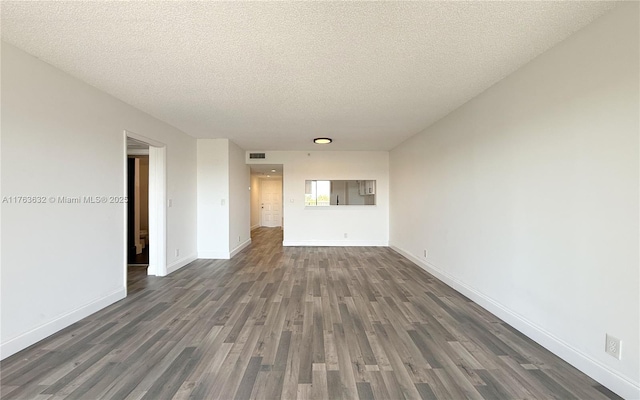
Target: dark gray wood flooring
(301,322)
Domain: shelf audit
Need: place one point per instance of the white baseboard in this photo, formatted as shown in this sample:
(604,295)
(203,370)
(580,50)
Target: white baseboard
(181,262)
(256,226)
(335,243)
(213,255)
(222,255)
(33,336)
(240,248)
(609,378)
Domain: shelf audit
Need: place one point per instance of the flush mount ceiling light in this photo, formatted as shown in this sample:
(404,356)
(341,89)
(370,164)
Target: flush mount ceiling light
(322,140)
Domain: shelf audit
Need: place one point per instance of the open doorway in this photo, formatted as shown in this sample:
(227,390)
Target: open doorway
(138,203)
(145,211)
(267,196)
(137,210)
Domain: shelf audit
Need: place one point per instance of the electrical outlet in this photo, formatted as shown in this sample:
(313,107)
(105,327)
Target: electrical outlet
(425,253)
(613,346)
(177,252)
(345,235)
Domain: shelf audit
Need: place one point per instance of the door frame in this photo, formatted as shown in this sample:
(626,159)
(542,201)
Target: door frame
(157,204)
(281,180)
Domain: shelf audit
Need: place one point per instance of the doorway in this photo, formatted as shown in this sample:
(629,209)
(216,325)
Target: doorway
(266,196)
(137,209)
(271,203)
(145,187)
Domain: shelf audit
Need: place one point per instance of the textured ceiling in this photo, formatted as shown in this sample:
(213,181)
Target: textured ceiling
(273,75)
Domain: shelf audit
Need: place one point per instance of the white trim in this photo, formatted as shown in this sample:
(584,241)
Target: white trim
(140,138)
(240,247)
(336,243)
(621,385)
(256,226)
(181,262)
(36,334)
(213,255)
(125,212)
(157,211)
(223,255)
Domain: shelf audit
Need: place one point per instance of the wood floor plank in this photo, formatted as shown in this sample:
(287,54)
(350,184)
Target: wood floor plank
(248,379)
(378,387)
(306,356)
(319,388)
(425,391)
(292,366)
(346,379)
(293,323)
(392,385)
(402,381)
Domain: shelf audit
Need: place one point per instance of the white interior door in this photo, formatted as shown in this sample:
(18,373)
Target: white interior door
(271,202)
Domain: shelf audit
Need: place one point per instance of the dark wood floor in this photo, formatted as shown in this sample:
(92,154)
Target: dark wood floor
(305,322)
(141,259)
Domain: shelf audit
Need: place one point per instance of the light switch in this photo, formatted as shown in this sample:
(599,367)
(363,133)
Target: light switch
(222,202)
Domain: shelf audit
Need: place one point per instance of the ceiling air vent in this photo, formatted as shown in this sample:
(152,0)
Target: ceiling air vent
(257,155)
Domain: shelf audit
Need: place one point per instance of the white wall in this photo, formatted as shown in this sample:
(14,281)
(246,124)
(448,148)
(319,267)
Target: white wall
(326,226)
(527,198)
(239,200)
(213,198)
(223,199)
(62,137)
